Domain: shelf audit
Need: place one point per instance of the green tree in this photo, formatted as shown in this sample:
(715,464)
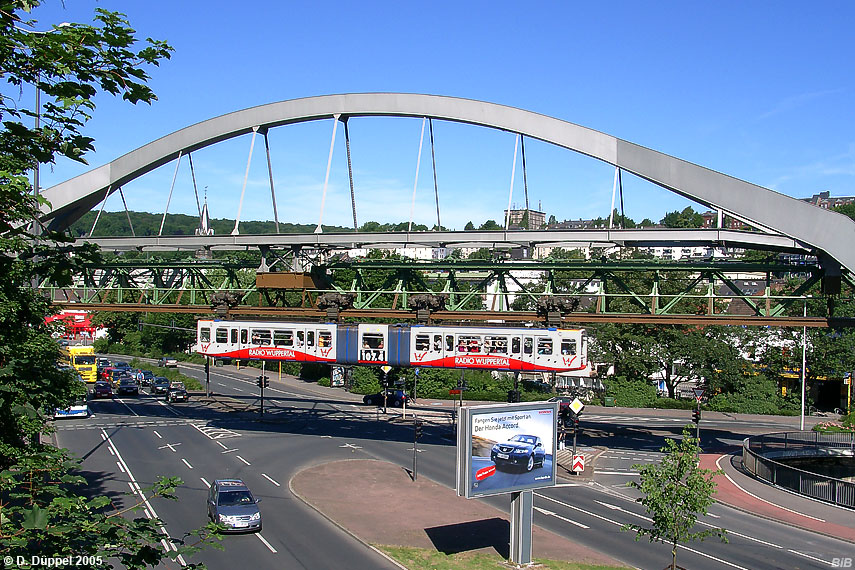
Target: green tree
(490,225)
(688,218)
(846,210)
(469,226)
(675,492)
(44,510)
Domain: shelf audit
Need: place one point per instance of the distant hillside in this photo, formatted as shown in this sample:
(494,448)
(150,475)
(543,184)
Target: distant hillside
(146,224)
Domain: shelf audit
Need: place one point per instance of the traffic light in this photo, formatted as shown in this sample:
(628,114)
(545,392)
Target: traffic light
(262,382)
(696,415)
(418,427)
(566,416)
(513,396)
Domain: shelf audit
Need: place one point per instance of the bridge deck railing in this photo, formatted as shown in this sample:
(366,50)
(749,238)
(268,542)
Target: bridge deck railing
(832,490)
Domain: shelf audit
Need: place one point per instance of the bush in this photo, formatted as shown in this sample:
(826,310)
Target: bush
(365,380)
(325,381)
(314,371)
(630,393)
(849,419)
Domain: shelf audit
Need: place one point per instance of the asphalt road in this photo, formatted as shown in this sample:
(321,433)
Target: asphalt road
(139,439)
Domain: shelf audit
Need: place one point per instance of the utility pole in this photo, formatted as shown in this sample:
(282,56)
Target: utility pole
(207,376)
(263,382)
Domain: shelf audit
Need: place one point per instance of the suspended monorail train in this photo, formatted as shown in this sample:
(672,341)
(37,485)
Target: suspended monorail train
(469,347)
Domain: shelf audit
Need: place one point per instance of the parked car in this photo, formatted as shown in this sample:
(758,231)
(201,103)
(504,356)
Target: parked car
(102,389)
(231,504)
(521,450)
(127,385)
(159,385)
(167,361)
(176,393)
(394,398)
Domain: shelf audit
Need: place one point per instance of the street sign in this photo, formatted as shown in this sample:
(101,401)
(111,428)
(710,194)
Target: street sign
(578,463)
(454,392)
(387,369)
(576,406)
(699,393)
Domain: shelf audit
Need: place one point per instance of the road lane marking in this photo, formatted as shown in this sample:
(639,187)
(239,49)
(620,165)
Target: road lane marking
(149,510)
(187,464)
(242,459)
(229,450)
(556,515)
(627,473)
(122,469)
(221,444)
(205,481)
(717,464)
(127,406)
(271,480)
(810,557)
(351,446)
(267,544)
(111,451)
(171,446)
(157,434)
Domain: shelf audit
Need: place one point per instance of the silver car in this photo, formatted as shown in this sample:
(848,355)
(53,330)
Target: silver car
(231,504)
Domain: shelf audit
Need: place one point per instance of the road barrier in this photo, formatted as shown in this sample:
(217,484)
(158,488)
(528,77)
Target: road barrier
(758,453)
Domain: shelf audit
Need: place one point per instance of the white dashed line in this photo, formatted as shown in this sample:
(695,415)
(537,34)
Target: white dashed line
(271,480)
(187,464)
(242,459)
(267,544)
(204,481)
(157,434)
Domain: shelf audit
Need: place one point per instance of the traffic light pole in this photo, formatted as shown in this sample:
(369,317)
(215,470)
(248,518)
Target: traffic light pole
(698,425)
(207,376)
(262,382)
(417,433)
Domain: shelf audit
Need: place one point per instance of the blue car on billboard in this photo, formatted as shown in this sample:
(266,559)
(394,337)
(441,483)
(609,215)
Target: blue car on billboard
(521,450)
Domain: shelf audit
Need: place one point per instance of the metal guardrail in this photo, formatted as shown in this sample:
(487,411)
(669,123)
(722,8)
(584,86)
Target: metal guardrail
(822,487)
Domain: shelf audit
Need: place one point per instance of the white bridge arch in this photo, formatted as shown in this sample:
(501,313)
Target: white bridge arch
(828,234)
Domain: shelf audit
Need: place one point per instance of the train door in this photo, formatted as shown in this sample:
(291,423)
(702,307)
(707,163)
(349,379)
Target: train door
(325,347)
(528,356)
(243,341)
(545,351)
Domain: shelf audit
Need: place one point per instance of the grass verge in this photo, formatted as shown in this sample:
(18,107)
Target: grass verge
(172,373)
(428,559)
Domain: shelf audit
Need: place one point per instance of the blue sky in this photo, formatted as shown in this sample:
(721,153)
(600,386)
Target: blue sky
(758,90)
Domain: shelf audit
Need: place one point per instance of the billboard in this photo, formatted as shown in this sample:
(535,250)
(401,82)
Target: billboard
(502,448)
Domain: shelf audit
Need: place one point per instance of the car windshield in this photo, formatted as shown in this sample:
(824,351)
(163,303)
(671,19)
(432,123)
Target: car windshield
(177,386)
(523,439)
(232,498)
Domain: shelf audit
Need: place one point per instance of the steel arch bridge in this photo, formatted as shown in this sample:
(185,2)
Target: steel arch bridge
(781,223)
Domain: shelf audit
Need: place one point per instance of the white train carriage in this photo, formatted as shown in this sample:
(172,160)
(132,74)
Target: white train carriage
(266,340)
(486,348)
(490,348)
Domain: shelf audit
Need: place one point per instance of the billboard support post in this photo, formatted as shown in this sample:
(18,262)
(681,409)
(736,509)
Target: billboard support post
(522,503)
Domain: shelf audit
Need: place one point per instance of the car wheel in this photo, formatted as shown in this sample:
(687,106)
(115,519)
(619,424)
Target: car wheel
(530,465)
(397,403)
(366,400)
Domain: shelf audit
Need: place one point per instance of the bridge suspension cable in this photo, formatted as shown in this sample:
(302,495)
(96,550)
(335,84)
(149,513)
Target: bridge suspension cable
(416,183)
(350,173)
(511,191)
(320,229)
(435,186)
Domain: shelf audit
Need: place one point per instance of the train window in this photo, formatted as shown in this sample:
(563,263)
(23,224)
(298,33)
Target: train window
(449,343)
(261,337)
(310,338)
(544,345)
(437,342)
(301,338)
(496,344)
(372,346)
(222,335)
(528,345)
(324,339)
(234,336)
(283,338)
(515,345)
(422,342)
(205,334)
(568,346)
(244,337)
(468,343)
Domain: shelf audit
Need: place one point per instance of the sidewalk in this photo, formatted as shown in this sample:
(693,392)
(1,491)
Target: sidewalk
(383,505)
(739,490)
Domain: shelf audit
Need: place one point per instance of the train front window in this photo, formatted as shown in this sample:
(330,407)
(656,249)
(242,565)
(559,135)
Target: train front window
(222,335)
(205,334)
(283,338)
(422,342)
(544,346)
(568,347)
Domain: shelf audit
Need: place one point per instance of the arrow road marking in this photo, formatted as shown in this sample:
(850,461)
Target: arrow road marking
(350,445)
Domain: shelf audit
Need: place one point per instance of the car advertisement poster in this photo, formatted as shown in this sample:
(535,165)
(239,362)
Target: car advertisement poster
(504,448)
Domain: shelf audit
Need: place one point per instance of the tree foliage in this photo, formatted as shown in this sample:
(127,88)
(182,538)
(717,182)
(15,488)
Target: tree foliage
(42,509)
(675,492)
